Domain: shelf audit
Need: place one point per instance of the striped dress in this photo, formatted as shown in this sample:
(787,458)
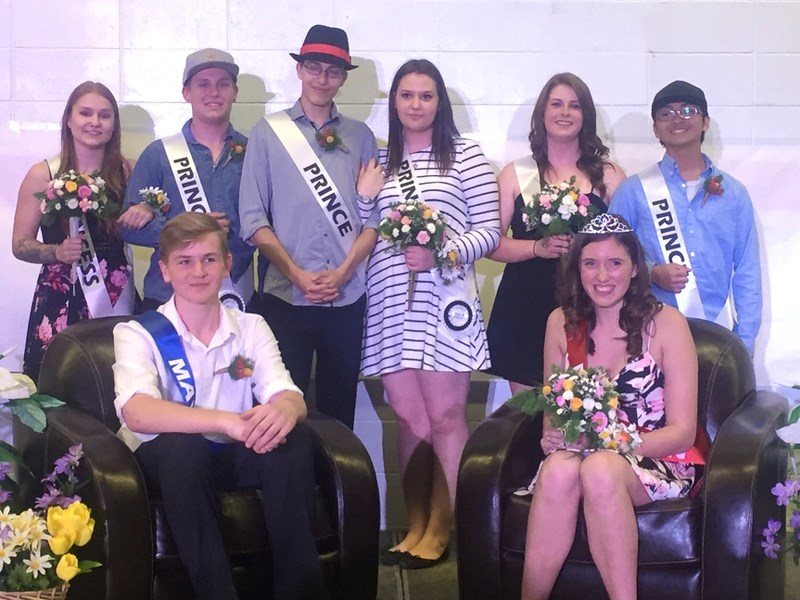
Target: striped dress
(396,338)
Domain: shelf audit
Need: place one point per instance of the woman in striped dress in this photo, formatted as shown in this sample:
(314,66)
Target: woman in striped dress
(425,346)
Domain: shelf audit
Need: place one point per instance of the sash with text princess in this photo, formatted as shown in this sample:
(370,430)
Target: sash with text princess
(233,294)
(319,182)
(673,247)
(88,270)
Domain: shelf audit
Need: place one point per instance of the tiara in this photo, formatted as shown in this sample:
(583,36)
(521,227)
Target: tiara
(606,223)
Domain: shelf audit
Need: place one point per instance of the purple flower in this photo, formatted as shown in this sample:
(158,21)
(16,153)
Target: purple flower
(65,501)
(772,529)
(784,491)
(794,521)
(5,469)
(49,498)
(70,460)
(5,496)
(771,547)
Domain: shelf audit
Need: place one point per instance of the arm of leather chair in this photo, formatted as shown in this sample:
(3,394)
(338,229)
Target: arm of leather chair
(501,455)
(350,488)
(746,460)
(117,497)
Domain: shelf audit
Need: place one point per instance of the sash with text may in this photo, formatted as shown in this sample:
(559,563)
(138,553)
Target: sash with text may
(670,237)
(319,182)
(170,346)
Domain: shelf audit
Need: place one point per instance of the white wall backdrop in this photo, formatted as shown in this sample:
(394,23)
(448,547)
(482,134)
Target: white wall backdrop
(494,55)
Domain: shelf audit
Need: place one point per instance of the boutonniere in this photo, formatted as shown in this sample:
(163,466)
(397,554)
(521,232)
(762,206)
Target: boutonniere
(240,368)
(712,186)
(236,150)
(329,139)
(156,199)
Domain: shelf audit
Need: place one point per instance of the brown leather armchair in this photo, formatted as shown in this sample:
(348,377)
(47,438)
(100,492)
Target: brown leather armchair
(704,547)
(132,539)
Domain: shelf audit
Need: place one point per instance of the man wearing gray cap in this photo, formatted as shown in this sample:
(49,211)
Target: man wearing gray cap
(695,222)
(199,169)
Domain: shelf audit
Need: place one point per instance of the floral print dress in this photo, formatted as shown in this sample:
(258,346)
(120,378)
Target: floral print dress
(57,302)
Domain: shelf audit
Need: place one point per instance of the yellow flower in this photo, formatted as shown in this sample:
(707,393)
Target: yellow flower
(426,214)
(70,186)
(613,401)
(69,526)
(574,194)
(546,390)
(67,567)
(575,404)
(568,384)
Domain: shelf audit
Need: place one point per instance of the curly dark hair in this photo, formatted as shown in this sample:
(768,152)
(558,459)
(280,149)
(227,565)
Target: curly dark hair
(639,306)
(443,145)
(594,153)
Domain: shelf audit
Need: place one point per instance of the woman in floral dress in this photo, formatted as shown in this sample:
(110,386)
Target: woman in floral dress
(90,141)
(609,318)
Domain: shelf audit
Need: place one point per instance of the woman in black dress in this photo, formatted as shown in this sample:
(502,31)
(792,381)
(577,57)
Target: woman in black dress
(564,143)
(90,141)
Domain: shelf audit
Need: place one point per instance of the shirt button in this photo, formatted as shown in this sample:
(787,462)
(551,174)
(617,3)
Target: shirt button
(691,254)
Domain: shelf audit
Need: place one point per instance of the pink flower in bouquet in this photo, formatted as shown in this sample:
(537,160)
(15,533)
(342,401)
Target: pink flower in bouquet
(423,237)
(84,191)
(599,421)
(49,193)
(405,221)
(545,200)
(394,215)
(43,207)
(558,385)
(583,200)
(560,401)
(85,205)
(583,211)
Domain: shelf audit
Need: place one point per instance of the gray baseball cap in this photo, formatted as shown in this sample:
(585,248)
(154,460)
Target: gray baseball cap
(209,58)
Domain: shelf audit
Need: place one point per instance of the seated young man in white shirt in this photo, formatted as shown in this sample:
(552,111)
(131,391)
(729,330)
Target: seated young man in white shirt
(206,404)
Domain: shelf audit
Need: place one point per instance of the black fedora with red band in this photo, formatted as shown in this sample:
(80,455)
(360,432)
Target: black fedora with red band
(326,44)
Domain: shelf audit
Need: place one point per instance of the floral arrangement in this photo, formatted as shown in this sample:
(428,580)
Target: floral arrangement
(156,199)
(36,543)
(241,367)
(786,494)
(74,194)
(582,404)
(329,139)
(417,224)
(712,186)
(558,208)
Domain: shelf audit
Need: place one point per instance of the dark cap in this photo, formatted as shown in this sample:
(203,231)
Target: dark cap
(680,91)
(209,58)
(326,44)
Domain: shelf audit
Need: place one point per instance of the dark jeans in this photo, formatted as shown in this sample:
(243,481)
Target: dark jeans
(334,333)
(188,473)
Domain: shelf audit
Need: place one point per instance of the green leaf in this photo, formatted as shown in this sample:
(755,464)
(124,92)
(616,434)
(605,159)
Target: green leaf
(9,454)
(530,402)
(794,415)
(46,401)
(87,565)
(29,413)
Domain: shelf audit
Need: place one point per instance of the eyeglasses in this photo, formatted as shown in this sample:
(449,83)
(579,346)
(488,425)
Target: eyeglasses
(316,69)
(684,112)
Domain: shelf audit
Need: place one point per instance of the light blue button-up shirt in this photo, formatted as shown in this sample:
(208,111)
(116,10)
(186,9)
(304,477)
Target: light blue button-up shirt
(720,236)
(221,185)
(275,195)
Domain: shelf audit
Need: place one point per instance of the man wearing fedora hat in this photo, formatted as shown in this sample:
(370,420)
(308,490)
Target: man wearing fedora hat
(199,169)
(298,206)
(695,221)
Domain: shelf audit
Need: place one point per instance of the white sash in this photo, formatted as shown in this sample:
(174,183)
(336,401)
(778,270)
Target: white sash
(527,177)
(319,182)
(458,304)
(193,196)
(406,181)
(87,269)
(673,248)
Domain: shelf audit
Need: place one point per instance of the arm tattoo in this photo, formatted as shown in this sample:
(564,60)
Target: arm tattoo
(34,251)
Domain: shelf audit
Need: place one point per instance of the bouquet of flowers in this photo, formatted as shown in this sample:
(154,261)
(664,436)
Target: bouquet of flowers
(559,208)
(74,195)
(786,494)
(581,402)
(156,199)
(36,543)
(414,223)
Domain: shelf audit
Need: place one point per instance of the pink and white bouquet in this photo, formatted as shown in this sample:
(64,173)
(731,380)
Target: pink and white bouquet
(558,208)
(412,223)
(584,405)
(73,194)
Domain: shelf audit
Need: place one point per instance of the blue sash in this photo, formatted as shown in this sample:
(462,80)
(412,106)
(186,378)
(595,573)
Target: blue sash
(170,346)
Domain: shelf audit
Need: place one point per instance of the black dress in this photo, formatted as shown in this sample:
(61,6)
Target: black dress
(524,301)
(57,302)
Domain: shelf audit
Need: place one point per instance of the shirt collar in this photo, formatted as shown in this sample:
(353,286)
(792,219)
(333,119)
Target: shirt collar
(296,112)
(189,135)
(228,325)
(670,167)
